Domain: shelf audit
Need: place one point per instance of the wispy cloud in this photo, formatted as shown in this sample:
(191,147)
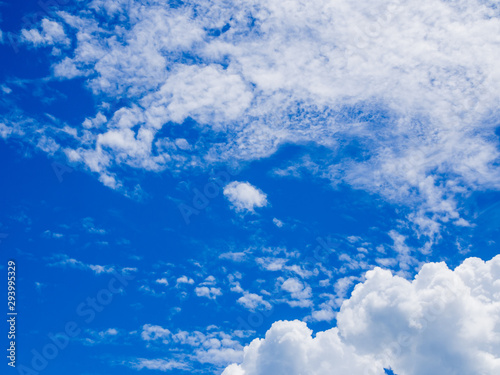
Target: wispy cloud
(395,79)
(64,261)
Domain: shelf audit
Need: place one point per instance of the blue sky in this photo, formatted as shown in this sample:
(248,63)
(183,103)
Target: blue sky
(315,183)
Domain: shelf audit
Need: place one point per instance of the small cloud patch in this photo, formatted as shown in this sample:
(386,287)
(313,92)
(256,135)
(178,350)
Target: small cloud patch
(244,196)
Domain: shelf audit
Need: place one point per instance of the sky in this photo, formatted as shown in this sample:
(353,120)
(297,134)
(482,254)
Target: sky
(253,187)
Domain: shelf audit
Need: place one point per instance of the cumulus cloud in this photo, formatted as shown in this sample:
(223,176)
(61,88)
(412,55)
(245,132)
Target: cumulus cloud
(208,292)
(163,281)
(290,349)
(253,301)
(51,33)
(213,347)
(442,322)
(244,196)
(184,280)
(154,332)
(300,294)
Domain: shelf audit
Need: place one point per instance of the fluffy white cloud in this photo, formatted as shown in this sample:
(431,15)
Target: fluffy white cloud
(253,301)
(208,292)
(184,280)
(300,294)
(244,196)
(271,263)
(214,347)
(153,332)
(208,94)
(51,33)
(163,281)
(443,322)
(290,349)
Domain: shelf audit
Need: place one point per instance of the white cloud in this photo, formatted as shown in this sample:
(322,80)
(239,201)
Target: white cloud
(154,332)
(204,291)
(443,322)
(208,94)
(300,294)
(422,87)
(271,263)
(451,318)
(214,346)
(51,33)
(278,222)
(109,332)
(244,196)
(326,313)
(290,349)
(50,234)
(253,301)
(62,260)
(162,281)
(151,291)
(159,364)
(67,68)
(95,122)
(234,256)
(48,145)
(219,356)
(184,280)
(6,89)
(108,336)
(89,225)
(209,280)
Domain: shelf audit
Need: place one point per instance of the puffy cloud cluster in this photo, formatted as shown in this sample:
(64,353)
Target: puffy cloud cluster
(253,301)
(51,33)
(289,349)
(212,347)
(299,293)
(208,292)
(442,322)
